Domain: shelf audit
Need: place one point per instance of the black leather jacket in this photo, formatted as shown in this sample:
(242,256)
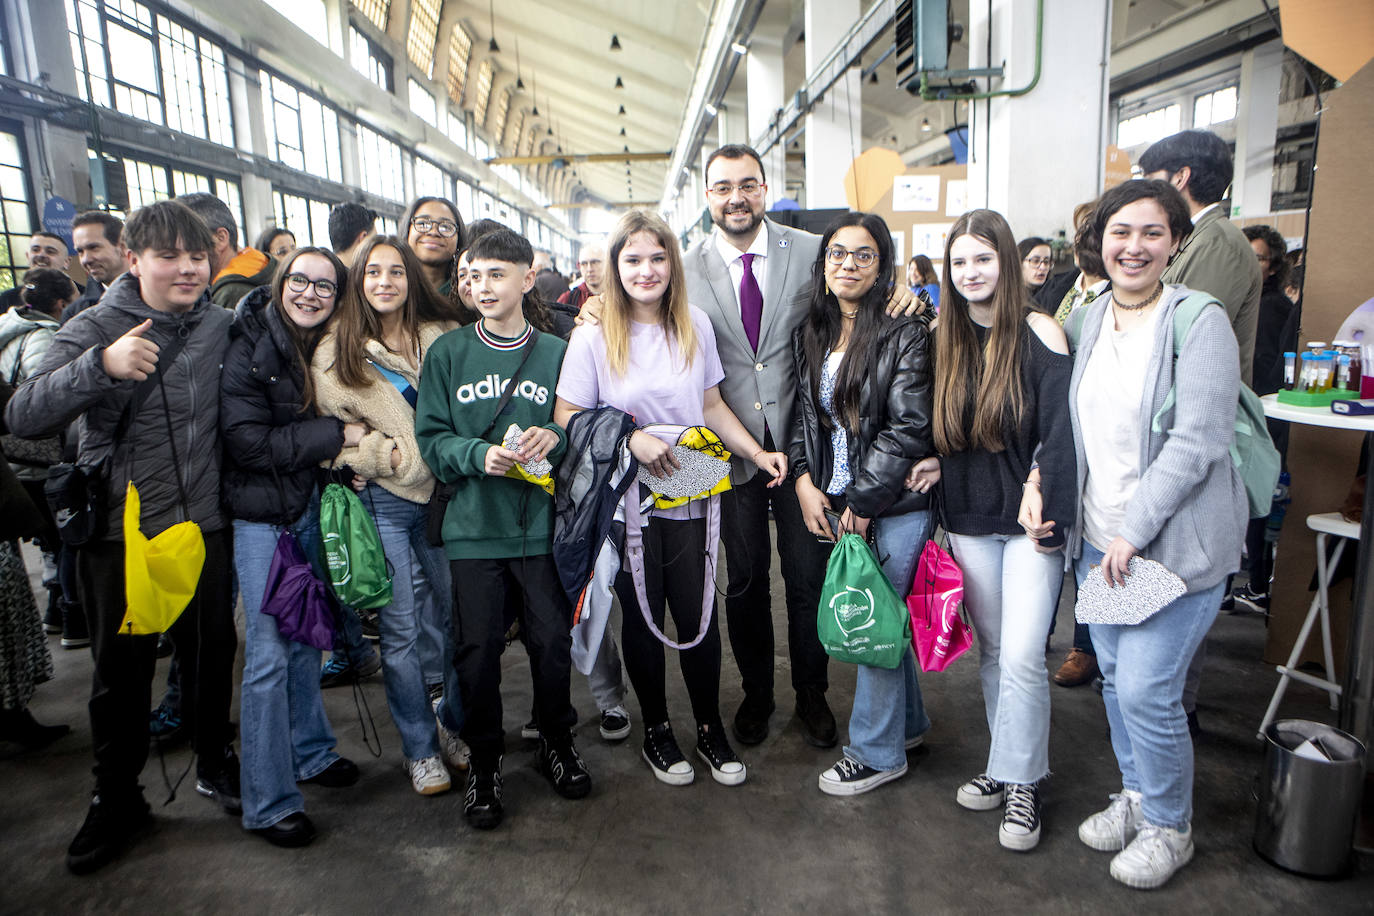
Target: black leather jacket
(894,427)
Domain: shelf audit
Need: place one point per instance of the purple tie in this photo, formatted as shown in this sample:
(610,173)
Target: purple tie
(750,301)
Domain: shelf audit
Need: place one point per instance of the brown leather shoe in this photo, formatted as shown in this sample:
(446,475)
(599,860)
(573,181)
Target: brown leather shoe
(1079,668)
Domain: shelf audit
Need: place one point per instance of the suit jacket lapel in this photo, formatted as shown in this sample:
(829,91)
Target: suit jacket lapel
(718,278)
(1209,217)
(777,263)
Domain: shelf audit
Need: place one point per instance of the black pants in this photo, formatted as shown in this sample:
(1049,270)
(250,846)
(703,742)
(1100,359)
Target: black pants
(748,600)
(674,570)
(121,687)
(480,596)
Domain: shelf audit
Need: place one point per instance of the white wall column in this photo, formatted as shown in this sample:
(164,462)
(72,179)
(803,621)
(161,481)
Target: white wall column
(764,84)
(834,127)
(1036,156)
(1257,124)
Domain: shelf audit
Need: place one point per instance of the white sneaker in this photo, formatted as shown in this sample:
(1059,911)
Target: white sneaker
(1112,829)
(428,775)
(452,748)
(1153,856)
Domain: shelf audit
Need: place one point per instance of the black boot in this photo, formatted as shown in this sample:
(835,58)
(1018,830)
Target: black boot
(74,632)
(52,617)
(18,725)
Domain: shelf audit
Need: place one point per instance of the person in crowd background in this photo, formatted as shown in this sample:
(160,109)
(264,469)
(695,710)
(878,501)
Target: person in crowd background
(349,226)
(45,249)
(273,445)
(275,242)
(922,277)
(592,263)
(234,271)
(860,425)
(1036,260)
(97,238)
(1152,434)
(433,231)
(1002,372)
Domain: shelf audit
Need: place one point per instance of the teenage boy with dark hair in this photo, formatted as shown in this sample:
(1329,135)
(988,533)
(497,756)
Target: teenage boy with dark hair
(477,381)
(350,225)
(146,359)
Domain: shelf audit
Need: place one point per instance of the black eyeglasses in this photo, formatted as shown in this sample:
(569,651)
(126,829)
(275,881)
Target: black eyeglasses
(863,257)
(445,228)
(299,283)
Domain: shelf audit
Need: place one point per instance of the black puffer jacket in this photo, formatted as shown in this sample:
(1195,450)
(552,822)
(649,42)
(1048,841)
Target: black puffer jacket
(268,440)
(894,425)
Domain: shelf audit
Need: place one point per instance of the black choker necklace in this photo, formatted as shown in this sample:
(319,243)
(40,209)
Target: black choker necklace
(1148,301)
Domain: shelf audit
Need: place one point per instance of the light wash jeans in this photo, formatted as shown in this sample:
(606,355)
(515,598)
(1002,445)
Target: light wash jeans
(887,701)
(284,732)
(1143,667)
(1009,590)
(401,524)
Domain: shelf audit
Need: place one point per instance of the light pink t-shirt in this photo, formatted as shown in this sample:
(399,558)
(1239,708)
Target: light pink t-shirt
(655,387)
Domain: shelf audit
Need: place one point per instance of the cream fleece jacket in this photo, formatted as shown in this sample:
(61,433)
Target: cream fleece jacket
(389,417)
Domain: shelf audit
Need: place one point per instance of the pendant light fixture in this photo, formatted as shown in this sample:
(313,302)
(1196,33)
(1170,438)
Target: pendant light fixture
(492,46)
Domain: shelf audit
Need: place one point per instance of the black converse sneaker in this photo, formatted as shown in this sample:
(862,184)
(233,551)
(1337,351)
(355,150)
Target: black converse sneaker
(665,757)
(1020,828)
(482,801)
(726,767)
(563,767)
(849,777)
(981,793)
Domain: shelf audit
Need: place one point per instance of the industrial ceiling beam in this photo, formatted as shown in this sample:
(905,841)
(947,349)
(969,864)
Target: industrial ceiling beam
(578,157)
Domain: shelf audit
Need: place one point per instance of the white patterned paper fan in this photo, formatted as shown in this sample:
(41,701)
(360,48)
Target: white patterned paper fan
(699,473)
(1149,588)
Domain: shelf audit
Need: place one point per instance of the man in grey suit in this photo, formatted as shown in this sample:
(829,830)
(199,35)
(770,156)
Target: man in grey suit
(753,278)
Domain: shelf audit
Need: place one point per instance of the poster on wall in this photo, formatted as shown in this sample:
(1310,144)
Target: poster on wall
(956,197)
(929,239)
(916,192)
(898,247)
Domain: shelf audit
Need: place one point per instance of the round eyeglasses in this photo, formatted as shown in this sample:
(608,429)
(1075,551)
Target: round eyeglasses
(863,256)
(299,283)
(445,228)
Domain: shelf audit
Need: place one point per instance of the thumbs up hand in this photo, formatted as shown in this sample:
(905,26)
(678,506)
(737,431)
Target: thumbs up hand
(131,356)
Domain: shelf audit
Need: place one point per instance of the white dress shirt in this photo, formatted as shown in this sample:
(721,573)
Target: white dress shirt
(734,261)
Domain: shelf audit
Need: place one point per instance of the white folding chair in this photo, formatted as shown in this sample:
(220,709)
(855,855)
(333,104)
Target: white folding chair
(1326,524)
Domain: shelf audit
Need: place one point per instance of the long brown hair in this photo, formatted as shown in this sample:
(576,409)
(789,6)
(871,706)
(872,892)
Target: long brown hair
(823,327)
(357,322)
(304,340)
(672,308)
(986,379)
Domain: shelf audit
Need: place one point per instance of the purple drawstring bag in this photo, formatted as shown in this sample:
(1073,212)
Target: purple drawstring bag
(297,598)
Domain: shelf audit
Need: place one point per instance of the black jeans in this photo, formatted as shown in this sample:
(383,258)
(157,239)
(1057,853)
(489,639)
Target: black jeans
(481,593)
(748,599)
(674,571)
(121,687)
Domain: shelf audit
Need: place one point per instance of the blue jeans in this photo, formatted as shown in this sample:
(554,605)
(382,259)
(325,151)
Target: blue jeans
(349,641)
(401,524)
(887,701)
(1009,591)
(285,734)
(1143,668)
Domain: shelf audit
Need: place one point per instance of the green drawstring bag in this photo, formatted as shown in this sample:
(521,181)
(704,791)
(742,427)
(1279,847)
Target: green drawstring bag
(353,552)
(860,618)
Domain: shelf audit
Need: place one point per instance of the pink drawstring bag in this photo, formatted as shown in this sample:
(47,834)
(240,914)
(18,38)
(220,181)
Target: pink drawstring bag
(938,632)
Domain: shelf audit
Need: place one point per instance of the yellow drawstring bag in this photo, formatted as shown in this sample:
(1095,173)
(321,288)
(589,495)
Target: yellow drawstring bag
(161,574)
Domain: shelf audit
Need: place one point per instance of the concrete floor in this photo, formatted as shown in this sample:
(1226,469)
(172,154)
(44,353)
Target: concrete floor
(775,844)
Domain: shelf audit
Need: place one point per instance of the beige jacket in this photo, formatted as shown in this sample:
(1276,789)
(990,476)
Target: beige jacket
(389,417)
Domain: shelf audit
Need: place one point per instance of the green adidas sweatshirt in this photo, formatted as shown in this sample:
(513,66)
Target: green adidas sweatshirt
(464,374)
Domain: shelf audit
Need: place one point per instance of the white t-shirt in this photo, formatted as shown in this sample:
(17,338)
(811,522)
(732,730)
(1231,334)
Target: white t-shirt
(1109,401)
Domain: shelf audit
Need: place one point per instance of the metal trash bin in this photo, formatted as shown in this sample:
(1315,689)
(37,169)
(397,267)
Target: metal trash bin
(1309,798)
